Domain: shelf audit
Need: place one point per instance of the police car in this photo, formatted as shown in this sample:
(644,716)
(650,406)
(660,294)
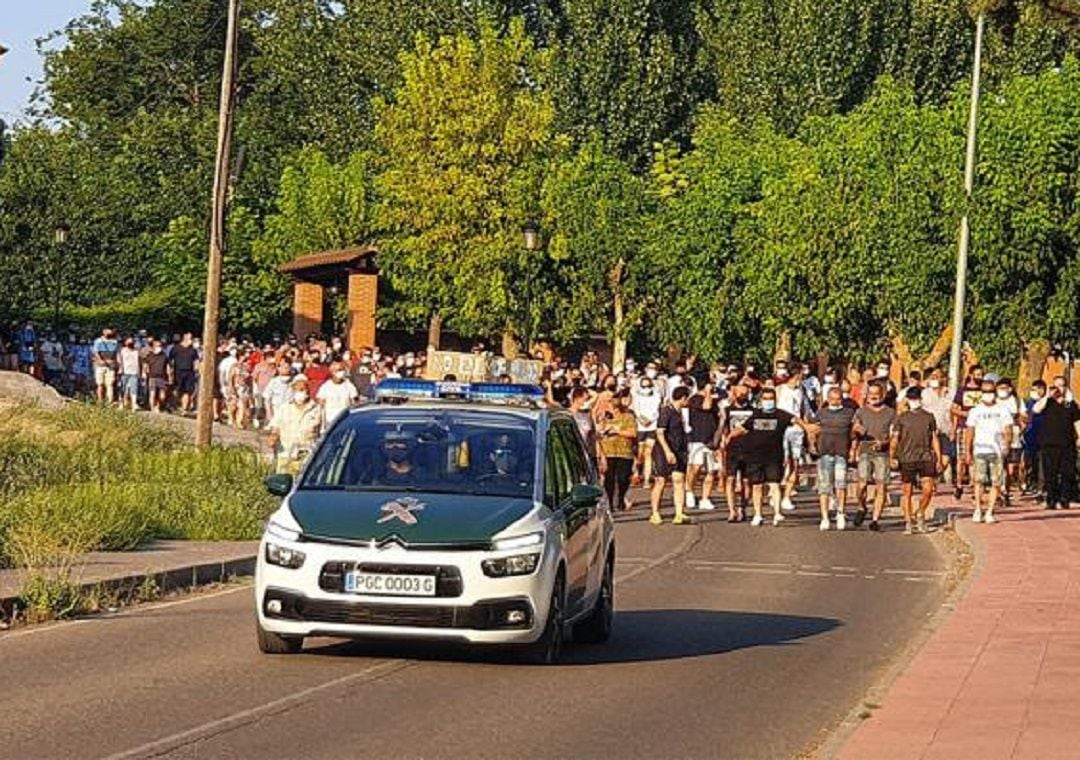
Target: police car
(459,512)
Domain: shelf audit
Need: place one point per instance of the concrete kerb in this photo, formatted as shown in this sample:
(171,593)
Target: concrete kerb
(947,519)
(174,579)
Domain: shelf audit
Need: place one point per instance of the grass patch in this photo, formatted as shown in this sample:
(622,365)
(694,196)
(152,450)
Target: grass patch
(85,478)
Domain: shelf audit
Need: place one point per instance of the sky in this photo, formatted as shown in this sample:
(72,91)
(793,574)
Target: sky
(22,22)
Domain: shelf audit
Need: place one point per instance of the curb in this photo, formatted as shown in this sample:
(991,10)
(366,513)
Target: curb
(173,579)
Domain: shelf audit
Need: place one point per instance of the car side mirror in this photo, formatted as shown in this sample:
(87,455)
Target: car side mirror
(279,484)
(585,495)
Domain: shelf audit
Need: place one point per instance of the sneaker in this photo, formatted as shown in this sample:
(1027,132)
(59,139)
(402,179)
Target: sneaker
(1008,500)
(860,515)
(787,504)
(680,519)
(920,524)
(958,492)
(841,521)
(824,524)
(977,515)
(656,519)
(874,526)
(777,518)
(757,521)
(832,503)
(907,529)
(706,506)
(989,518)
(691,500)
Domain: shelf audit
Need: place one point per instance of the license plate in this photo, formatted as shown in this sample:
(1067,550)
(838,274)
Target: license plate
(395,585)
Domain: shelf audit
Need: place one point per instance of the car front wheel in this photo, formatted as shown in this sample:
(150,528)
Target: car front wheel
(596,628)
(548,648)
(275,643)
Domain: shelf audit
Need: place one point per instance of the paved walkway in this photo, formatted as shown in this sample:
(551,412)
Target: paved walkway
(1001,677)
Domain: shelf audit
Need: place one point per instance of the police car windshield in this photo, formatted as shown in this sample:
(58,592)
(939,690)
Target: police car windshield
(451,451)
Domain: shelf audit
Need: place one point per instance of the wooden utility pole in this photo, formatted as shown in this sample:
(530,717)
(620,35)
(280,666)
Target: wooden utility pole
(219,202)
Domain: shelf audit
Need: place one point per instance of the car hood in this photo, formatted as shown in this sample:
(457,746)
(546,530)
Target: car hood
(380,515)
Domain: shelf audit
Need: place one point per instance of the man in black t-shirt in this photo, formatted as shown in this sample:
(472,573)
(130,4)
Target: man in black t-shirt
(1057,444)
(670,456)
(184,359)
(916,450)
(835,449)
(156,374)
(763,448)
(734,416)
(702,456)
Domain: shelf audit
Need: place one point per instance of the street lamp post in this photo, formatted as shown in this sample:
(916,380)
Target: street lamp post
(955,355)
(530,232)
(60,239)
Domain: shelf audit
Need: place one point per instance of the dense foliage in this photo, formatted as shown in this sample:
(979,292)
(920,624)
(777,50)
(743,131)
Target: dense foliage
(709,175)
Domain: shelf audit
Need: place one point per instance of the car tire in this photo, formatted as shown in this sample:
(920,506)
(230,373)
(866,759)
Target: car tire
(547,650)
(596,628)
(275,643)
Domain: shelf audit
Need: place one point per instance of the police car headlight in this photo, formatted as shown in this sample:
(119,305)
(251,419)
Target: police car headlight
(283,556)
(527,541)
(518,564)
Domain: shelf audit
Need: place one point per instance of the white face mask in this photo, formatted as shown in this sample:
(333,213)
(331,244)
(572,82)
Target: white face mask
(913,404)
(650,373)
(1003,394)
(1035,395)
(988,398)
(300,397)
(882,371)
(935,384)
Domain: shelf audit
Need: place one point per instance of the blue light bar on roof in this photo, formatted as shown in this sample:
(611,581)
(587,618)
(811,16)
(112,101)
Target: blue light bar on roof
(403,389)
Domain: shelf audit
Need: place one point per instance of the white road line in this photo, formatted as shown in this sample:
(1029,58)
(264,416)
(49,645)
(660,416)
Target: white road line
(766,570)
(914,572)
(813,573)
(238,719)
(137,609)
(736,564)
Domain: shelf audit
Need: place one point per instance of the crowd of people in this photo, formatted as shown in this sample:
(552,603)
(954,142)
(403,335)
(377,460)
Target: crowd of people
(745,436)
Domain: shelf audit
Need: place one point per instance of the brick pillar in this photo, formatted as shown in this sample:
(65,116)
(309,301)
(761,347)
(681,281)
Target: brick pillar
(363,298)
(307,309)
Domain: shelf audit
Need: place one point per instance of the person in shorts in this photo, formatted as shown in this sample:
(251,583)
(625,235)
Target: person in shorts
(130,370)
(873,426)
(1006,397)
(835,448)
(670,456)
(734,416)
(763,447)
(702,457)
(156,374)
(103,355)
(990,426)
(645,405)
(915,448)
(966,399)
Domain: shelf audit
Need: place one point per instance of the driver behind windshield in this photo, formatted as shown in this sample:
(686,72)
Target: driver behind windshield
(399,449)
(502,462)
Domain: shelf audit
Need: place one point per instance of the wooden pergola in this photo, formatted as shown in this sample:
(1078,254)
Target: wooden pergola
(350,271)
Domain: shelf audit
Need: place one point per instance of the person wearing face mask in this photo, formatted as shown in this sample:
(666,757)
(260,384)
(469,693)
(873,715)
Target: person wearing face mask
(240,390)
(130,371)
(670,457)
(873,426)
(990,428)
(763,449)
(915,450)
(295,428)
(935,399)
(734,414)
(604,401)
(156,374)
(1014,456)
(645,404)
(103,355)
(618,434)
(1031,466)
(337,395)
(835,445)
(1057,444)
(966,399)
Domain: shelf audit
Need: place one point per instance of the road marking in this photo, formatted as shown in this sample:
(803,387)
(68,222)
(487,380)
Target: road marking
(813,573)
(765,570)
(687,544)
(124,612)
(737,564)
(890,571)
(239,719)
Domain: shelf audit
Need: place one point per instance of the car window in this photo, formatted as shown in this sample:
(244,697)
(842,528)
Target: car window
(580,471)
(557,470)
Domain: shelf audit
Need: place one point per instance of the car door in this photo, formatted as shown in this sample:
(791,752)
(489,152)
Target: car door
(580,518)
(586,473)
(575,524)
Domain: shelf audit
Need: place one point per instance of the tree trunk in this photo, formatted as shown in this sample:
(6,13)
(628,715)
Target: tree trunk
(618,359)
(783,348)
(1032,363)
(509,343)
(434,331)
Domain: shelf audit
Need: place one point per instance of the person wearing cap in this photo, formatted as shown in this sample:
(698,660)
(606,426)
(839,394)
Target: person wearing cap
(915,449)
(398,447)
(295,428)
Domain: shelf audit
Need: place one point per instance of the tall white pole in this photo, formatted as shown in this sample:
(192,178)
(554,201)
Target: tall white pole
(219,201)
(956,354)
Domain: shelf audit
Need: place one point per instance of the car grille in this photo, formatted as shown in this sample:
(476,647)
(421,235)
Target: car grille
(447,579)
(484,615)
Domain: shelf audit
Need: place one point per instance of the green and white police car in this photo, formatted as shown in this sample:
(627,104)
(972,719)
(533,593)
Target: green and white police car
(446,511)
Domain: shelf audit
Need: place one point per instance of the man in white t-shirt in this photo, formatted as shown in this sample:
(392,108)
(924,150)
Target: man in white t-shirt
(645,404)
(337,395)
(790,398)
(52,356)
(991,426)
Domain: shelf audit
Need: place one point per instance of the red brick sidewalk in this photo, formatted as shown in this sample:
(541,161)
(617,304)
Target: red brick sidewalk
(1001,677)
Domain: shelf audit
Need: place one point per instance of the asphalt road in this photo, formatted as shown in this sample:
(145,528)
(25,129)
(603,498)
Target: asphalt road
(730,641)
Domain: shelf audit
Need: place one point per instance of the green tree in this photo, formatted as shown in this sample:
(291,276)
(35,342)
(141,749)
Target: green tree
(463,143)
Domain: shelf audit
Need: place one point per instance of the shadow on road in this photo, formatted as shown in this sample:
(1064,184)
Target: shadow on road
(640,636)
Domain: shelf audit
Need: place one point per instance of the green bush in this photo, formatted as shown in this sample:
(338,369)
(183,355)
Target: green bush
(89,478)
